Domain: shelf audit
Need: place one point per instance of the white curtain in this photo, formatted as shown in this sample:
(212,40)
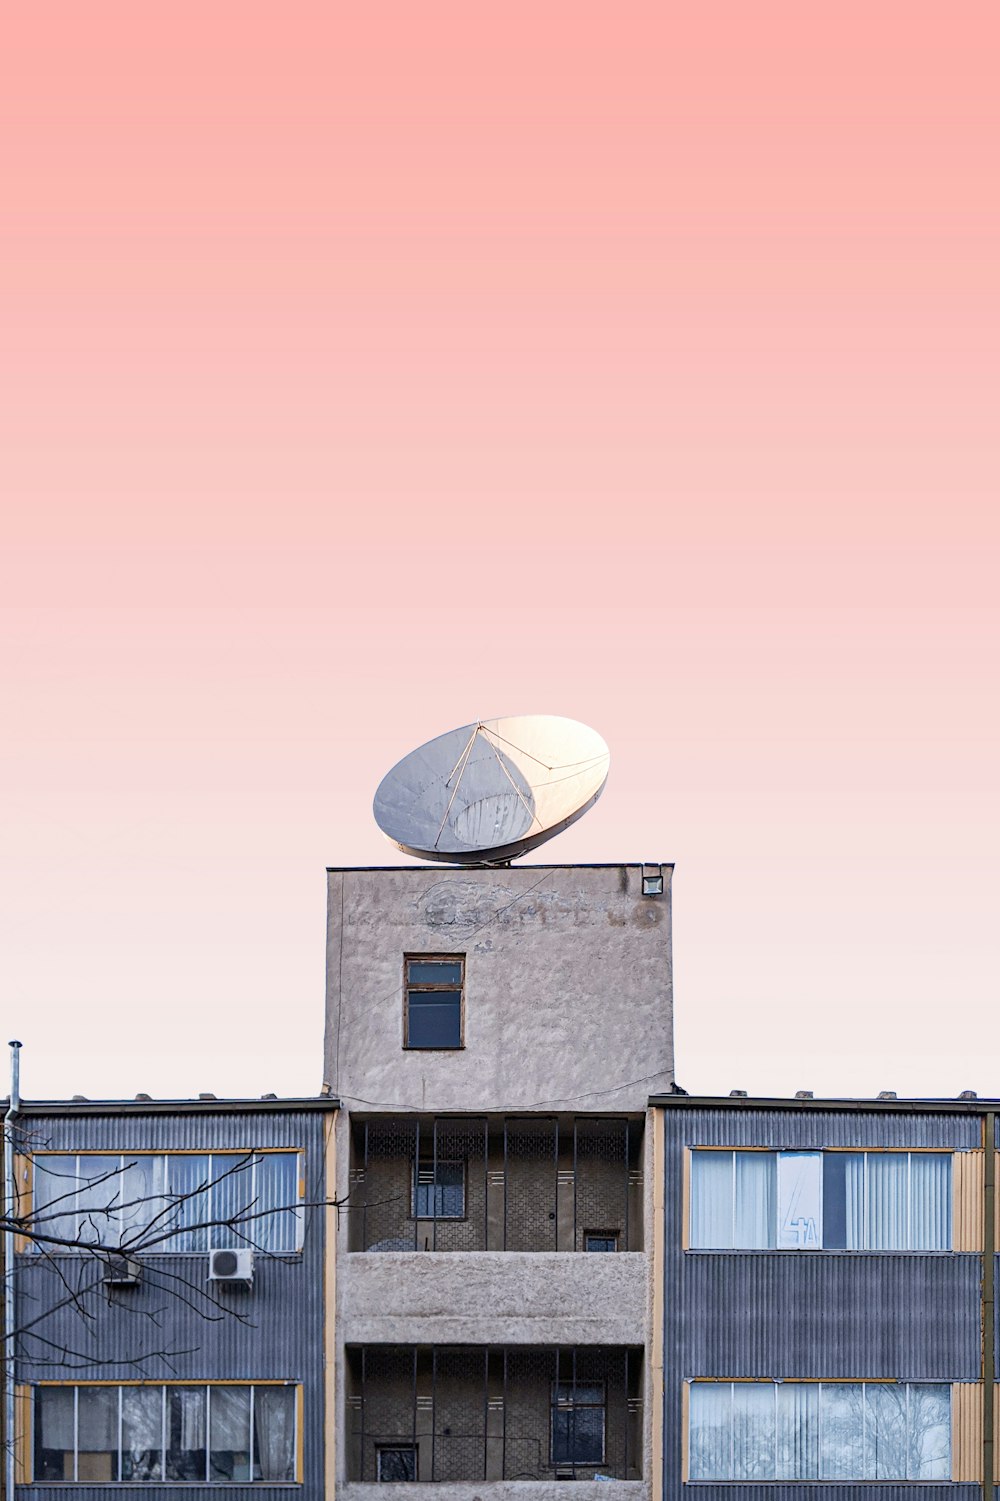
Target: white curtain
(753,1430)
(755,1200)
(710,1430)
(885,1432)
(929,1432)
(800,1200)
(887,1172)
(231,1196)
(930,1201)
(187,1178)
(841,1454)
(57,1416)
(274,1426)
(229,1433)
(142,1432)
(854,1184)
(191,1400)
(712,1200)
(797,1414)
(278,1190)
(142,1183)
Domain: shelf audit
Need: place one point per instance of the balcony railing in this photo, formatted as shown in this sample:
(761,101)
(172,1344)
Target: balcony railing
(482,1183)
(476,1414)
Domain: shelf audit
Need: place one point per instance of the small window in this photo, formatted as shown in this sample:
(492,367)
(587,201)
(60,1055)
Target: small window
(577,1424)
(398,1462)
(432,1014)
(439,1193)
(600,1240)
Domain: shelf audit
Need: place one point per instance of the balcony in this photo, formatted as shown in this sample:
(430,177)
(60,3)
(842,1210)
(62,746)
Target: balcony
(446,1414)
(481,1184)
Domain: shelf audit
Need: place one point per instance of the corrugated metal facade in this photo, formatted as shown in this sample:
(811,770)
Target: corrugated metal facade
(811,1315)
(277,1328)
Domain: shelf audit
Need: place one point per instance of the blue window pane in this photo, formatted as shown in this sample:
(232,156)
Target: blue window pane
(443,1197)
(435,1019)
(434,971)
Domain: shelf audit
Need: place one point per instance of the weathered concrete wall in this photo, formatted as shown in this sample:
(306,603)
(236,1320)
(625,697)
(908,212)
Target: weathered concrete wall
(501,1490)
(485,1297)
(568,987)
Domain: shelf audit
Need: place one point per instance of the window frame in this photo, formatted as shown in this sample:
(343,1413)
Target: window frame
(431,988)
(115,1222)
(823,1154)
(819,1478)
(388,1448)
(613,1235)
(164,1388)
(573,1405)
(430,1164)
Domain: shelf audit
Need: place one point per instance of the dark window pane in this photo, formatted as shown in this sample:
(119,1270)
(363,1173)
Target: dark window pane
(229,1433)
(434,971)
(835,1201)
(443,1199)
(397,1464)
(186,1433)
(54,1424)
(97,1434)
(600,1242)
(435,1019)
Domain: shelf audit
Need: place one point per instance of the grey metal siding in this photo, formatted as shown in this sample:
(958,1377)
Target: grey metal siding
(818,1314)
(276,1330)
(828,1316)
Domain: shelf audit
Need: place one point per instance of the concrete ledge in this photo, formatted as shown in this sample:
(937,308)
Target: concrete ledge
(501,1490)
(493,1298)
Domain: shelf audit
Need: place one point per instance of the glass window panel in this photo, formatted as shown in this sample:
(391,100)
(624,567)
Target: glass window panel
(231,1194)
(434,972)
(712,1200)
(841,1454)
(887,1216)
(885,1432)
(435,1019)
(843,1201)
(274,1433)
(142,1432)
(277,1190)
(753,1431)
(800,1200)
(187,1194)
(930,1201)
(186,1435)
(442,1196)
(797,1418)
(53,1198)
(929,1432)
(97,1434)
(397,1464)
(755,1200)
(95,1209)
(142,1201)
(710,1430)
(229,1433)
(54,1426)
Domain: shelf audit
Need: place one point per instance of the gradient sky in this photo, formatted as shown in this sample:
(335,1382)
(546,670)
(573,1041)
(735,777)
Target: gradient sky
(365,370)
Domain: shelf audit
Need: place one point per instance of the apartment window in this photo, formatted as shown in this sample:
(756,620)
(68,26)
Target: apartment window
(158,1202)
(846,1201)
(397,1462)
(829,1430)
(439,1191)
(173,1434)
(433,1001)
(578,1414)
(600,1240)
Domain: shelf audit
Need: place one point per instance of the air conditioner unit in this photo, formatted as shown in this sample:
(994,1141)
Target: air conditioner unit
(231,1266)
(121,1271)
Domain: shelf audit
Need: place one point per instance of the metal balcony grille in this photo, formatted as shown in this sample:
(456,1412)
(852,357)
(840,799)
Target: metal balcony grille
(506,1184)
(447,1413)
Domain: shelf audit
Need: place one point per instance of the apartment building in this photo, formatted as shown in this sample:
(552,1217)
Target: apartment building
(827,1298)
(171,1290)
(493,1036)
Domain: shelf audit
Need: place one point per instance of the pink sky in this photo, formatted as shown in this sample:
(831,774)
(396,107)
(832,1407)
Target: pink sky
(365,370)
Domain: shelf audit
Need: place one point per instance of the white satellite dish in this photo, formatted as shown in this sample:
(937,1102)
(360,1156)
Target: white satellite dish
(490,791)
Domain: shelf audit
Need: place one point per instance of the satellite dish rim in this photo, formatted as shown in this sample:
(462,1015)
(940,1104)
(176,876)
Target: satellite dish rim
(511,848)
